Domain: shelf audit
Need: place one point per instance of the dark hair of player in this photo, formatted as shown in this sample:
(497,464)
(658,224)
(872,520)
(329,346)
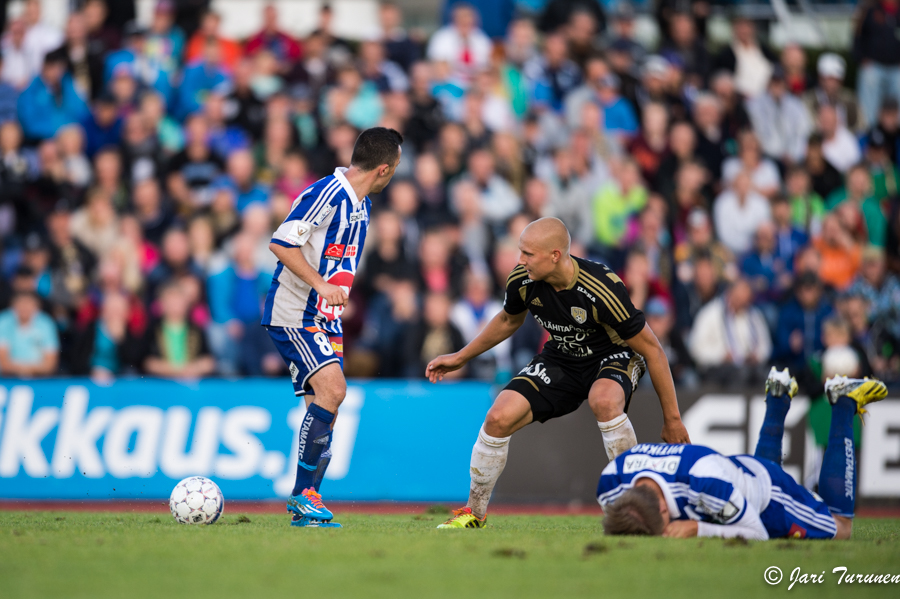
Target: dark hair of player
(376,146)
(635,512)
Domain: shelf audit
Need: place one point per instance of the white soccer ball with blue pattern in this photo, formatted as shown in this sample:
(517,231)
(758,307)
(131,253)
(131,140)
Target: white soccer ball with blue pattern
(196,500)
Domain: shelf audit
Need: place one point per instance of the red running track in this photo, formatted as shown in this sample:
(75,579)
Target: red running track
(355,507)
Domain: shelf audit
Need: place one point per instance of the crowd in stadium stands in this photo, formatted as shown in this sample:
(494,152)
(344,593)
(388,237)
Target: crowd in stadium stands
(749,199)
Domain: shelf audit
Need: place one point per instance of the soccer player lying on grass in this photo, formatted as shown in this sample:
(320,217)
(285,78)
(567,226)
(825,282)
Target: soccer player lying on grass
(687,491)
(596,352)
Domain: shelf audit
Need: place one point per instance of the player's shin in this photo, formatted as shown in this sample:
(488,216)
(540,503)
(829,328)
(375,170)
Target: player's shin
(488,461)
(837,480)
(771,434)
(322,466)
(315,433)
(618,436)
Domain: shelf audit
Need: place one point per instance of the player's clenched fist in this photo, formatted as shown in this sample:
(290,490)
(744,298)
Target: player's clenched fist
(334,295)
(441,365)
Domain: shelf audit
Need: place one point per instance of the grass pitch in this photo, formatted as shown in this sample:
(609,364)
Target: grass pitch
(96,555)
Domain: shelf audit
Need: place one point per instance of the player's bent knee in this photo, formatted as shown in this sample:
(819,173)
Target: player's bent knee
(329,386)
(607,400)
(497,423)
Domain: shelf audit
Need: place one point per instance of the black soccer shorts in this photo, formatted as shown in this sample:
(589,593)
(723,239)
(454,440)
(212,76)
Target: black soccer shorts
(556,386)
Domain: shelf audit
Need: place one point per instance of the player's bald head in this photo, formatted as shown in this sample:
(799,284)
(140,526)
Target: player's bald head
(547,234)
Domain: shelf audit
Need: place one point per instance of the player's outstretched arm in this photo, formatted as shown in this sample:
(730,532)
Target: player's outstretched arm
(646,344)
(500,328)
(295,262)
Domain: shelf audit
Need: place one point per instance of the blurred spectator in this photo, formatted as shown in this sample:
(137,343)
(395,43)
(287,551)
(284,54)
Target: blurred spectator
(877,48)
(857,194)
(888,127)
(201,77)
(650,146)
(493,15)
(85,58)
(825,177)
(798,333)
(470,315)
(711,137)
(51,100)
(196,167)
(738,212)
(730,340)
(661,320)
(71,265)
(18,68)
(499,199)
(831,91)
(840,253)
(793,61)
(228,52)
(461,43)
(780,121)
(285,49)
(108,176)
(700,243)
(95,225)
(440,264)
(684,43)
(880,289)
(839,145)
(694,290)
(749,61)
(70,141)
(768,274)
(236,297)
(885,176)
(433,336)
(734,117)
(400,47)
(9,96)
(807,206)
(764,177)
(615,203)
(40,37)
(111,345)
(643,283)
(240,180)
(153,214)
(176,347)
(374,65)
(133,60)
(103,126)
(552,75)
(789,239)
(29,344)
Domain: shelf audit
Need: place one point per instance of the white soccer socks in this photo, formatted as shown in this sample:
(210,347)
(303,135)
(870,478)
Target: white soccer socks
(488,462)
(618,436)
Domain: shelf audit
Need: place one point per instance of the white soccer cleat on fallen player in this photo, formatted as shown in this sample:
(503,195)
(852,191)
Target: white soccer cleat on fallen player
(781,383)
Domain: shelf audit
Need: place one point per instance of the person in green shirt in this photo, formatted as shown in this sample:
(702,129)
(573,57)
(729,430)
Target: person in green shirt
(177,348)
(616,202)
(858,190)
(807,207)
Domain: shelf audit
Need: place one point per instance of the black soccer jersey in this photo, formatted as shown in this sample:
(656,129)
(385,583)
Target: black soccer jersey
(591,317)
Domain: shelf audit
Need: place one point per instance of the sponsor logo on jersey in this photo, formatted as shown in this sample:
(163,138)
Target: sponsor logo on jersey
(357,216)
(586,292)
(579,314)
(323,215)
(562,328)
(351,251)
(344,280)
(537,370)
(637,463)
(295,237)
(796,532)
(537,302)
(334,251)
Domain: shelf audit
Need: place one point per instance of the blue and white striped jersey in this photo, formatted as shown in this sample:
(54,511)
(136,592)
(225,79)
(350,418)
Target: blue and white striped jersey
(725,494)
(328,223)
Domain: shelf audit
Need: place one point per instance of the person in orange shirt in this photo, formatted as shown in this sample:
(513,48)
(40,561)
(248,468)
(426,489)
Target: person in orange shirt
(841,255)
(209,28)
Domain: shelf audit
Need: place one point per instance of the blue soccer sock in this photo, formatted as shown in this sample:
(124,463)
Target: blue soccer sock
(837,481)
(322,466)
(772,431)
(315,433)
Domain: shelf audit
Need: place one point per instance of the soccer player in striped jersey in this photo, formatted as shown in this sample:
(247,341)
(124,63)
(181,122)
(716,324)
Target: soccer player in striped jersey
(318,247)
(599,347)
(689,491)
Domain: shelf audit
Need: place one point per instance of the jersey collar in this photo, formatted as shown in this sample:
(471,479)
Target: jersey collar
(674,512)
(339,175)
(577,272)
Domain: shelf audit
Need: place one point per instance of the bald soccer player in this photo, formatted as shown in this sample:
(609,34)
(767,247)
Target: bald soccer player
(599,348)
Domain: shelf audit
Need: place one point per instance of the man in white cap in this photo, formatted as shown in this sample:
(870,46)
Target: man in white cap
(831,91)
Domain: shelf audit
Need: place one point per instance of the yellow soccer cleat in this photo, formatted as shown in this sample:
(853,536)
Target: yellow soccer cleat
(781,383)
(464,518)
(862,391)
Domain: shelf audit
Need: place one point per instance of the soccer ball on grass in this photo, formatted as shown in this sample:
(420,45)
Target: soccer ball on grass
(196,500)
